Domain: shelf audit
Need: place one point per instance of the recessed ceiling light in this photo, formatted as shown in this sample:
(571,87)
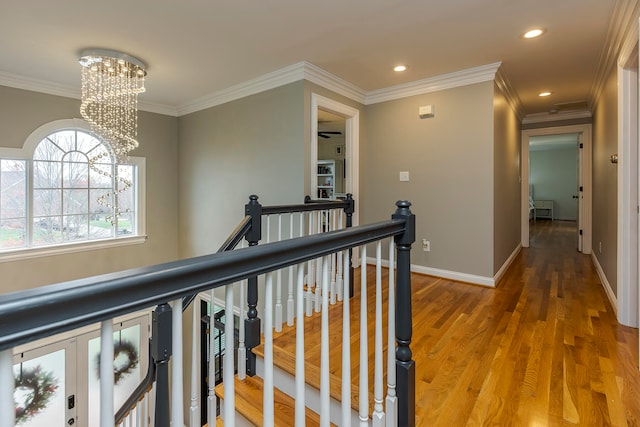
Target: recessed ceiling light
(546,93)
(532,34)
(399,68)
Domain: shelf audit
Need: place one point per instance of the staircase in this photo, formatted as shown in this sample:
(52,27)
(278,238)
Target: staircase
(248,392)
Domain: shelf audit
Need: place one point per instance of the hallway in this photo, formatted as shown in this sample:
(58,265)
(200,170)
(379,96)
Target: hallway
(544,349)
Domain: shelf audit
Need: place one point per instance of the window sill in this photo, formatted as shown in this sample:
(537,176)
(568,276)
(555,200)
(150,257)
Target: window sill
(68,248)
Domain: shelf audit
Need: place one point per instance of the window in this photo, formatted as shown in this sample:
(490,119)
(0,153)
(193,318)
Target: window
(62,191)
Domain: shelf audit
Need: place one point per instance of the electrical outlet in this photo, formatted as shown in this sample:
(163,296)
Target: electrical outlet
(426,245)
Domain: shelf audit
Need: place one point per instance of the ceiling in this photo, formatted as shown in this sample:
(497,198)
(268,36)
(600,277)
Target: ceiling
(194,48)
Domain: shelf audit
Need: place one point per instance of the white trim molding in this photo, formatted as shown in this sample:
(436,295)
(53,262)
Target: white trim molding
(605,283)
(555,117)
(445,274)
(466,77)
(42,86)
(506,265)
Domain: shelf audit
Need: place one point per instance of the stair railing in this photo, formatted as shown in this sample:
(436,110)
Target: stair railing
(323,215)
(314,217)
(33,314)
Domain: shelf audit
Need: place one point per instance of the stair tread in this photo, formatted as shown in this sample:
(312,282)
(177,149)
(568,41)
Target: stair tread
(287,362)
(249,403)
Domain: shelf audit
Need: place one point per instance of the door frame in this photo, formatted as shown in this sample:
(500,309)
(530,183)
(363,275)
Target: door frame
(627,298)
(584,179)
(352,144)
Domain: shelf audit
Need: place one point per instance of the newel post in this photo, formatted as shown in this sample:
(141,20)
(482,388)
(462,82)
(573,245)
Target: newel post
(161,354)
(349,210)
(405,366)
(252,322)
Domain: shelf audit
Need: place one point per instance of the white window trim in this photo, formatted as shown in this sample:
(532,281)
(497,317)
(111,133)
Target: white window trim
(26,153)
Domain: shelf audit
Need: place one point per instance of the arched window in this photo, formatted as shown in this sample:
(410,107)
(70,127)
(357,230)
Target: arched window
(64,192)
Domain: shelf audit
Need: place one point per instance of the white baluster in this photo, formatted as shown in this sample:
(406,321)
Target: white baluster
(268,410)
(392,401)
(7,382)
(378,416)
(177,409)
(346,348)
(325,397)
(310,271)
(318,290)
(242,350)
(332,273)
(228,372)
(212,401)
(139,414)
(152,405)
(106,374)
(278,313)
(363,406)
(300,382)
(290,313)
(194,408)
(339,279)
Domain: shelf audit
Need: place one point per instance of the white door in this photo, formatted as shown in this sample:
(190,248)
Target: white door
(45,385)
(57,384)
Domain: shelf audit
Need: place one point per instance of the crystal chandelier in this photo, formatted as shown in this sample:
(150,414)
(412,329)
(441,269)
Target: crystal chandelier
(111,82)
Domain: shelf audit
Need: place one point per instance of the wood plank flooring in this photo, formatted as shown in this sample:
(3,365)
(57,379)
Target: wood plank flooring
(543,349)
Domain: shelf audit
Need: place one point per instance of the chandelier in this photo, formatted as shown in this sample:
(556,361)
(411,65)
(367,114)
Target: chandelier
(111,82)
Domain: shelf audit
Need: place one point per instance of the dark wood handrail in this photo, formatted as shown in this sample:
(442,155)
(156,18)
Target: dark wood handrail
(37,313)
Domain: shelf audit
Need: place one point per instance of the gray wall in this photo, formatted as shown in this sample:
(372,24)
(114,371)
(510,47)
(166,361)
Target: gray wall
(450,160)
(21,112)
(506,180)
(605,181)
(554,175)
(254,145)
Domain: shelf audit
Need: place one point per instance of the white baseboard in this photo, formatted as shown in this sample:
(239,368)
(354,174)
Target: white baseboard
(445,274)
(506,264)
(605,283)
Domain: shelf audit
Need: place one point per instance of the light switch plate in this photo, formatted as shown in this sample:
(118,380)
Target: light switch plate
(404,176)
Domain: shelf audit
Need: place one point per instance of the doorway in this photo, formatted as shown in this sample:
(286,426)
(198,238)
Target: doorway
(583,133)
(553,178)
(323,108)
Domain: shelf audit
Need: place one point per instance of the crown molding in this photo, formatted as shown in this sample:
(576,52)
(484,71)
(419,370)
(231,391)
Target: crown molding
(265,82)
(323,78)
(35,85)
(300,71)
(504,84)
(41,86)
(622,33)
(433,84)
(555,117)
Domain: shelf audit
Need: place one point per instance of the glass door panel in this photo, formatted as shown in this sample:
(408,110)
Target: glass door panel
(45,385)
(131,356)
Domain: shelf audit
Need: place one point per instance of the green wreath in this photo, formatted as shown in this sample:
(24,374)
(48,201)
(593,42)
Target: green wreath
(38,387)
(128,349)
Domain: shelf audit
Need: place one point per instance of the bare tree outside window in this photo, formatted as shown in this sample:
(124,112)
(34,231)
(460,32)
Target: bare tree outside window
(71,170)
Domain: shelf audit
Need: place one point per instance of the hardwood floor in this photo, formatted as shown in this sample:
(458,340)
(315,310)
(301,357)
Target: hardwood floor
(543,349)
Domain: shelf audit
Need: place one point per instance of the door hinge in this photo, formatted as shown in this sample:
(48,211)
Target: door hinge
(581,232)
(581,145)
(581,188)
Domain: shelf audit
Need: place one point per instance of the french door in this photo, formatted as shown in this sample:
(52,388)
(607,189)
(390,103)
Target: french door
(57,383)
